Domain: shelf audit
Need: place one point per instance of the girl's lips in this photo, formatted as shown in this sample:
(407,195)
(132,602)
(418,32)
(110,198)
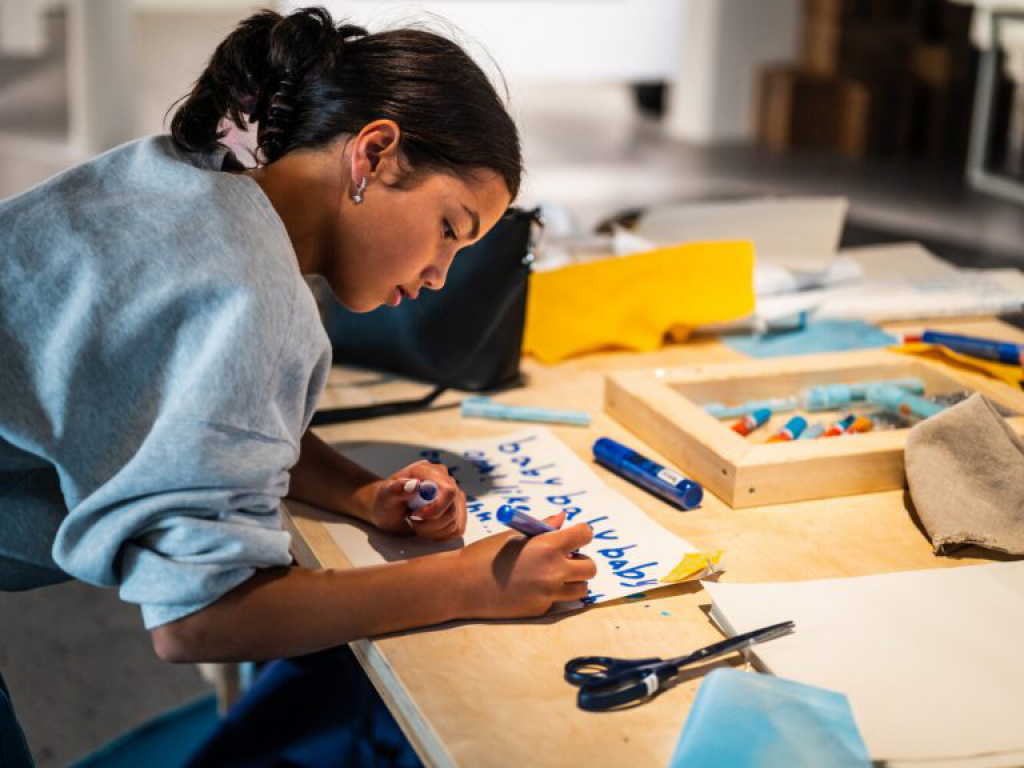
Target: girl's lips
(396,297)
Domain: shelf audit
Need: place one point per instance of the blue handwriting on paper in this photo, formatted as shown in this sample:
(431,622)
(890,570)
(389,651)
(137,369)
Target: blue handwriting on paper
(518,469)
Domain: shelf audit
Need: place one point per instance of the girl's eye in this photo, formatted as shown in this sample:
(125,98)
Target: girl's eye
(448,230)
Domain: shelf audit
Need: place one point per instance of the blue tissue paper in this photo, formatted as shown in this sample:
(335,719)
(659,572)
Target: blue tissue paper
(816,336)
(749,720)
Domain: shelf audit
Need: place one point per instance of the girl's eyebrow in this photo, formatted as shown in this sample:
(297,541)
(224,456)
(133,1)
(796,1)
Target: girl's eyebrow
(475,218)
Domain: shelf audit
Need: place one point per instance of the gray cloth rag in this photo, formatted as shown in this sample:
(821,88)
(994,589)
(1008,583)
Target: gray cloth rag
(965,468)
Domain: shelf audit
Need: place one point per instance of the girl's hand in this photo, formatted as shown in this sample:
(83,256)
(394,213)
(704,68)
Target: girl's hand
(443,519)
(508,576)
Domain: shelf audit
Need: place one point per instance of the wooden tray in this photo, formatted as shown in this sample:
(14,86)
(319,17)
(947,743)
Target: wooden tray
(663,407)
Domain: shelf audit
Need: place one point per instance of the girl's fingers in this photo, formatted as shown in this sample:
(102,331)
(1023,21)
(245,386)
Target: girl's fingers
(432,526)
(580,568)
(574,537)
(555,521)
(575,590)
(437,529)
(461,515)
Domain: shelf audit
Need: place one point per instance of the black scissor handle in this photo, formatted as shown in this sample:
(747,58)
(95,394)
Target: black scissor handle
(625,690)
(590,671)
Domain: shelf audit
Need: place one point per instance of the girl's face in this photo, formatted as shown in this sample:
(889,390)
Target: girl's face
(402,237)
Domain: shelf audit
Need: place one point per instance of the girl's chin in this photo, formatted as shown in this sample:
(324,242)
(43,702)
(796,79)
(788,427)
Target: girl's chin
(363,304)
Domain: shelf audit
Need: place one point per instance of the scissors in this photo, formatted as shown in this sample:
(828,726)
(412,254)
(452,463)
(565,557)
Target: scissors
(606,682)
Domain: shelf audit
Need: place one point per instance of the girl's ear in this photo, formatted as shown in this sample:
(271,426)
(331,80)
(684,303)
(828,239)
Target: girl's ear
(377,143)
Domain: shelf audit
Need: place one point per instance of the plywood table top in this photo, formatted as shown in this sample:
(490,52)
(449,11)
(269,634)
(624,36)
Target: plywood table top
(492,693)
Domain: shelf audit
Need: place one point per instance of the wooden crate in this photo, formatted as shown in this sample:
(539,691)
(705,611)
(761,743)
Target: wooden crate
(663,407)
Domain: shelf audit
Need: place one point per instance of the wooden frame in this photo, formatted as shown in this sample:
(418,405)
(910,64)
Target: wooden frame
(663,407)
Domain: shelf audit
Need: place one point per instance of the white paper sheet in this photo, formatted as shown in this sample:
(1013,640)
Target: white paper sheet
(536,472)
(931,660)
(797,233)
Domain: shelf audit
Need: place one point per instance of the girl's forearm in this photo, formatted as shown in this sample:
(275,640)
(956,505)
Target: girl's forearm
(326,479)
(285,612)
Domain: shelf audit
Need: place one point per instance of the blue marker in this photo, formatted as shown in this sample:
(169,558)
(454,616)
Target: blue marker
(987,349)
(791,431)
(522,522)
(900,401)
(428,492)
(669,485)
(751,421)
(485,408)
(830,397)
(775,405)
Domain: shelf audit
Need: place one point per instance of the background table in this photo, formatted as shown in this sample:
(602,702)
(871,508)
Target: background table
(491,693)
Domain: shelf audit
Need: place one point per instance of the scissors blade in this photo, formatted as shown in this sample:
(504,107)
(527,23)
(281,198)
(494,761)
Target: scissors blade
(736,643)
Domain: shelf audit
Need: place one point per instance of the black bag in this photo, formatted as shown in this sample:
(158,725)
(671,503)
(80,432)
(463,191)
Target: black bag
(469,335)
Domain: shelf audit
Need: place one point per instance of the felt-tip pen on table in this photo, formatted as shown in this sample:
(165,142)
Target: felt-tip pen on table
(427,493)
(485,408)
(648,474)
(975,346)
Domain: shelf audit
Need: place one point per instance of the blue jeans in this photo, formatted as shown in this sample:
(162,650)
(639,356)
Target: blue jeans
(316,711)
(13,747)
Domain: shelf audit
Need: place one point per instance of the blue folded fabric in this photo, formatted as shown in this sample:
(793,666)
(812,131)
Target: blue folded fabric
(749,720)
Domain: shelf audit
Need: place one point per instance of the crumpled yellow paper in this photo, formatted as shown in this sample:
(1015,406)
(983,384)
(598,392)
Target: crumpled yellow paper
(1011,374)
(632,302)
(693,566)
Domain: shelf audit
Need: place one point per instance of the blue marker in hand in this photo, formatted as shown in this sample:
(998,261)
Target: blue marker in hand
(522,522)
(428,492)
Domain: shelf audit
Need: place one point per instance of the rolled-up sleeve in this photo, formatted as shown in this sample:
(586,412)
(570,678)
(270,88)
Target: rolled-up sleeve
(193,514)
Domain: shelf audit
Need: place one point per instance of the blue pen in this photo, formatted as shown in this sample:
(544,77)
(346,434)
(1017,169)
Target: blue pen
(830,397)
(791,431)
(775,405)
(669,485)
(900,401)
(522,522)
(485,408)
(987,349)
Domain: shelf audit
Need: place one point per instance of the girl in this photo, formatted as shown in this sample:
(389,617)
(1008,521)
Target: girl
(162,355)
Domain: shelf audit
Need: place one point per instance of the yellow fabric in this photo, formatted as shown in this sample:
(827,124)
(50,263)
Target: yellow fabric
(1011,374)
(634,301)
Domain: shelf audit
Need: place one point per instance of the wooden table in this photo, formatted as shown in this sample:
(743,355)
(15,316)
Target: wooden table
(492,693)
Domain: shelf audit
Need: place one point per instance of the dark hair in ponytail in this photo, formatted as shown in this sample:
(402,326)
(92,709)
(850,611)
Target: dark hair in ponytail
(306,81)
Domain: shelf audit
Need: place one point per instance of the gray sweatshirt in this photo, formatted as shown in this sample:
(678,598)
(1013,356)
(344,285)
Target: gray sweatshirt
(160,359)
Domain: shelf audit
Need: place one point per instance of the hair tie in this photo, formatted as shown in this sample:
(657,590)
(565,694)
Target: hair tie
(280,114)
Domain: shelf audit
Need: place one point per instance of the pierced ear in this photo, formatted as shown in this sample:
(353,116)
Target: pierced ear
(380,140)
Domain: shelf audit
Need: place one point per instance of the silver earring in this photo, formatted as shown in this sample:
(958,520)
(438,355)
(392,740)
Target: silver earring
(357,198)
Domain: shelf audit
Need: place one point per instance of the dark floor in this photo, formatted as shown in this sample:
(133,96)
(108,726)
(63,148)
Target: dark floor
(81,669)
